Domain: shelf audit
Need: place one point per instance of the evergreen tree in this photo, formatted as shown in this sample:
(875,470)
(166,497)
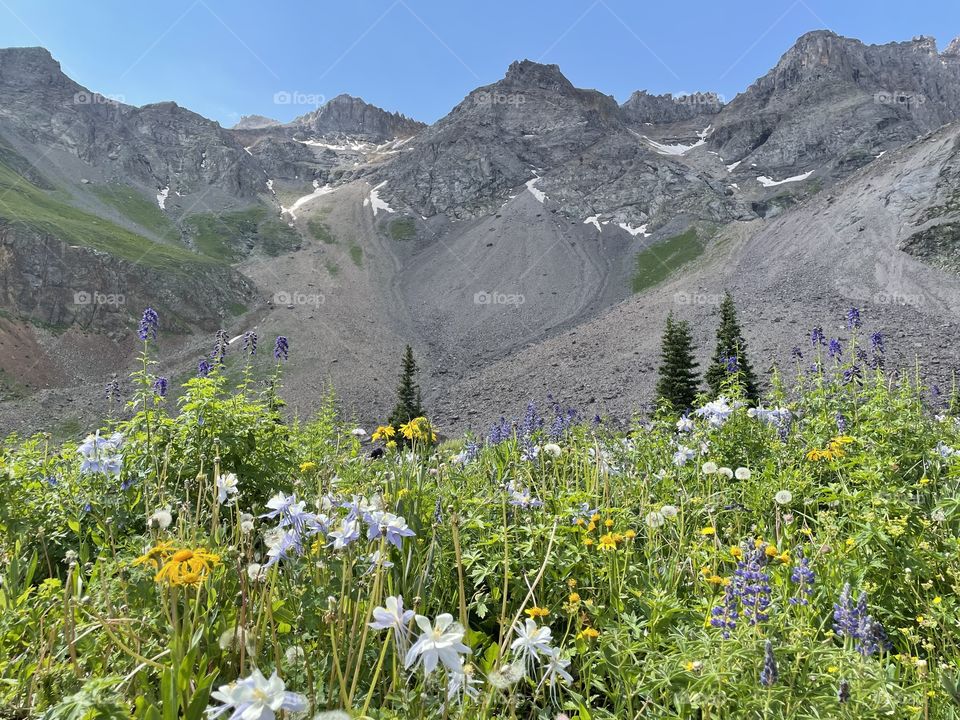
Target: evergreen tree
(408,392)
(730,357)
(678,379)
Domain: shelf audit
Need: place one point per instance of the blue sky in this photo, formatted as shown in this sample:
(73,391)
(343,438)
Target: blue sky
(224,58)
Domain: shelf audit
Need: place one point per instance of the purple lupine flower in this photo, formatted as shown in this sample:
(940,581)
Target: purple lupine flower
(769,674)
(281,349)
(731,363)
(203,368)
(532,422)
(841,423)
(843,692)
(112,389)
(876,342)
(862,355)
(160,386)
(803,577)
(935,392)
(754,581)
(726,615)
(149,325)
(499,432)
(853,621)
(797,353)
(817,337)
(852,373)
(250,343)
(835,349)
(853,318)
(220,343)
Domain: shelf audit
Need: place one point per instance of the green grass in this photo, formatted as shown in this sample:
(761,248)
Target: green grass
(320,231)
(356,254)
(403,229)
(226,236)
(24,205)
(138,209)
(655,263)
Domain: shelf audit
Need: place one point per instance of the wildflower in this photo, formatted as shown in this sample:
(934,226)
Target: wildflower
(101,455)
(160,519)
(536,612)
(418,429)
(736,552)
(555,669)
(589,633)
(443,642)
(843,692)
(783,497)
(683,455)
(233,637)
(853,621)
(876,343)
(718,411)
(655,519)
(685,425)
(742,473)
(246,523)
(630,534)
(802,576)
(307,466)
(817,337)
(293,653)
(392,616)
(769,674)
(160,386)
(384,432)
(226,487)
(835,349)
(588,541)
(157,555)
(187,567)
(503,677)
(607,542)
(709,530)
(726,472)
(348,531)
(499,432)
(669,512)
(281,348)
(552,449)
(256,698)
(256,572)
(853,318)
(709,468)
(392,526)
(149,325)
(522,498)
(573,598)
(532,640)
(779,417)
(220,344)
(203,368)
(250,343)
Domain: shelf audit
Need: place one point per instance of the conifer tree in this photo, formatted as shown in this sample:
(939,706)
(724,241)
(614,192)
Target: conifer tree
(730,357)
(408,392)
(677,384)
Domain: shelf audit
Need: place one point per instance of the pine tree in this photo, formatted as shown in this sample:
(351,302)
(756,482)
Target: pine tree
(408,392)
(730,357)
(677,384)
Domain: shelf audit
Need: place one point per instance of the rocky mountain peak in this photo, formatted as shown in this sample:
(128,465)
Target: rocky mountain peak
(30,67)
(642,107)
(528,74)
(255,122)
(349,115)
(953,49)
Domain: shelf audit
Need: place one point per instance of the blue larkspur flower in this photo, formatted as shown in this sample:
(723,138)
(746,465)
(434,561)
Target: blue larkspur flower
(281,348)
(250,343)
(852,620)
(499,432)
(160,385)
(149,325)
(203,368)
(803,577)
(876,342)
(817,337)
(835,349)
(853,318)
(220,343)
(769,674)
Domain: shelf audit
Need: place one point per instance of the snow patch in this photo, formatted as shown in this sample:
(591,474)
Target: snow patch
(247,150)
(162,197)
(270,186)
(733,166)
(634,231)
(770,182)
(540,195)
(595,221)
(377,203)
(300,202)
(674,149)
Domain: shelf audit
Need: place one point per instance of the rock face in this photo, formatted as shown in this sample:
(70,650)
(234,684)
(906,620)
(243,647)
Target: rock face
(156,146)
(836,103)
(350,116)
(255,122)
(644,108)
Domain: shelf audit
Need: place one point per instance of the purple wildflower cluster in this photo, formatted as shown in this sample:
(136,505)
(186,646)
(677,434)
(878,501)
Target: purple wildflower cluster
(499,432)
(803,577)
(220,344)
(160,386)
(769,674)
(851,620)
(101,455)
(250,343)
(149,325)
(281,348)
(112,390)
(748,593)
(563,420)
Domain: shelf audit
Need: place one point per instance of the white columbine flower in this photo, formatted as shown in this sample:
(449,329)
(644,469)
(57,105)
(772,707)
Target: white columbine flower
(256,698)
(709,468)
(160,519)
(393,617)
(685,425)
(226,486)
(443,642)
(683,455)
(742,473)
(532,641)
(554,670)
(552,449)
(783,497)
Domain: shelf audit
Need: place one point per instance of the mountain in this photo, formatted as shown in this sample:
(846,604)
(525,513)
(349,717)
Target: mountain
(529,242)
